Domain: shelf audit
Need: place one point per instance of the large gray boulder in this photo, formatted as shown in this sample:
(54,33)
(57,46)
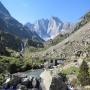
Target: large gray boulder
(58,84)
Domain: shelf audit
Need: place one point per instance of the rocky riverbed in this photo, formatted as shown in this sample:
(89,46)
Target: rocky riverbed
(35,80)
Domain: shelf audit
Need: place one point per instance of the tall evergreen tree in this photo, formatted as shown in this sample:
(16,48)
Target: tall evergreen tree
(83,75)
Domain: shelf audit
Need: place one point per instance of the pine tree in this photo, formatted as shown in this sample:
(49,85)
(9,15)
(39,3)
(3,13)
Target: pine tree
(83,75)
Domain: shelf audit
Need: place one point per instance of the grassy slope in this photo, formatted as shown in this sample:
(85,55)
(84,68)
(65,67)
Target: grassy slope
(56,40)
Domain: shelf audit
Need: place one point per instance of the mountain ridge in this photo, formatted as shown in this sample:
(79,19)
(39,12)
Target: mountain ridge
(11,25)
(50,28)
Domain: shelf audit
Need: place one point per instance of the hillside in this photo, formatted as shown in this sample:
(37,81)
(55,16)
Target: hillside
(83,20)
(71,46)
(9,41)
(56,40)
(14,27)
(68,31)
(78,41)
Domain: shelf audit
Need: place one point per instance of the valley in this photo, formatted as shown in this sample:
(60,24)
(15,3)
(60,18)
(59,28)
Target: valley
(47,55)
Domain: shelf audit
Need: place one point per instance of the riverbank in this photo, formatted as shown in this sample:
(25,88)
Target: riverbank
(39,79)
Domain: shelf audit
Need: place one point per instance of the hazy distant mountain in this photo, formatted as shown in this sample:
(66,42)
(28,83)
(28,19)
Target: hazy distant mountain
(50,28)
(11,25)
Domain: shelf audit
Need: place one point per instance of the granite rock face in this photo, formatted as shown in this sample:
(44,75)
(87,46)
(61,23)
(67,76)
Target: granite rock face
(50,28)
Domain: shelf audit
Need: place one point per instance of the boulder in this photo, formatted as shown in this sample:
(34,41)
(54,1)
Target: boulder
(58,84)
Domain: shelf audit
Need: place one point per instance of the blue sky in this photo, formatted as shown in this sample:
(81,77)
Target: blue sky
(32,10)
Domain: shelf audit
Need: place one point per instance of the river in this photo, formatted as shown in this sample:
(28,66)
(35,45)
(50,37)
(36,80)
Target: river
(34,73)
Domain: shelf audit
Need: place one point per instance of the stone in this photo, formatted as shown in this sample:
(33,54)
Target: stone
(58,84)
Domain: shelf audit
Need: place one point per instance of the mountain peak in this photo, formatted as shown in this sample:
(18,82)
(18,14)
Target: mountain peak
(49,28)
(55,18)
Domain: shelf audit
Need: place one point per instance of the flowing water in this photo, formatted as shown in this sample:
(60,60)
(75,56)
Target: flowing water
(34,73)
(45,75)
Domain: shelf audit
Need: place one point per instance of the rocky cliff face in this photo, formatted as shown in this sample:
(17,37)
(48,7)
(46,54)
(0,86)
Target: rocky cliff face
(50,28)
(40,27)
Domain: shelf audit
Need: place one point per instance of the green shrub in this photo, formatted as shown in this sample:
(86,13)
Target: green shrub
(71,70)
(63,76)
(83,75)
(2,79)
